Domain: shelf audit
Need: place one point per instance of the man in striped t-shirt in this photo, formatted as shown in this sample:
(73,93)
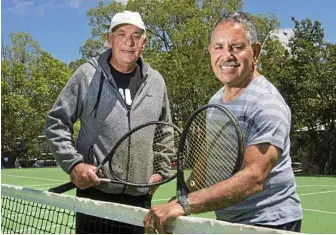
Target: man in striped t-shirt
(263,192)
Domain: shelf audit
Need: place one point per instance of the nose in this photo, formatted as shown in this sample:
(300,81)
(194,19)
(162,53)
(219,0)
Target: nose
(128,40)
(226,55)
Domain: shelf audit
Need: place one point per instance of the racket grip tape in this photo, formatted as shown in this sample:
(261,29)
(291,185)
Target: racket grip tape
(62,188)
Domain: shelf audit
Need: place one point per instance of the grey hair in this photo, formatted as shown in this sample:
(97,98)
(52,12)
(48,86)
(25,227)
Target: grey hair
(241,18)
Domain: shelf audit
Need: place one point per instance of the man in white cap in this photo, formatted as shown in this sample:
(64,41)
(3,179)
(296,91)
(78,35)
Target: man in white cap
(110,95)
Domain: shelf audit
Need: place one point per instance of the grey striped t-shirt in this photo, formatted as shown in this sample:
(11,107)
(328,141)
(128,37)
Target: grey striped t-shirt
(264,117)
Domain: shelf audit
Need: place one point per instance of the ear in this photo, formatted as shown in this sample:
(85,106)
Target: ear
(209,49)
(256,47)
(144,44)
(108,39)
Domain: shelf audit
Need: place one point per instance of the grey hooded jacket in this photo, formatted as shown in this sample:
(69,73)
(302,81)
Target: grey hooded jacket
(91,96)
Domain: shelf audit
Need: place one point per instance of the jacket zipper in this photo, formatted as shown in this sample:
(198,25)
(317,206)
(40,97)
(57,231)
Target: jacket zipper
(128,114)
(129,144)
(129,129)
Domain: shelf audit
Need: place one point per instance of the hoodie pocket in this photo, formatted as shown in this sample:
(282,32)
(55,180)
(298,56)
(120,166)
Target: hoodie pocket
(94,160)
(90,156)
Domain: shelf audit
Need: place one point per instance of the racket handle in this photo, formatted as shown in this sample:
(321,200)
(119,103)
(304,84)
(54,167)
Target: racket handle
(104,180)
(69,186)
(63,188)
(98,168)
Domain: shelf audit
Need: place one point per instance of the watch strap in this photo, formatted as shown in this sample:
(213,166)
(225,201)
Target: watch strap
(184,202)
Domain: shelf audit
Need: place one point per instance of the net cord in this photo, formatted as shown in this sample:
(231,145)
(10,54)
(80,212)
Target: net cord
(130,214)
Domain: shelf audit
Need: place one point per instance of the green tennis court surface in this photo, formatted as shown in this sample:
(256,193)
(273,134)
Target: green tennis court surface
(318,194)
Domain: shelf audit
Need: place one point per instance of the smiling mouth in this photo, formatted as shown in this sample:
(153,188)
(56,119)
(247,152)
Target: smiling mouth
(228,67)
(125,51)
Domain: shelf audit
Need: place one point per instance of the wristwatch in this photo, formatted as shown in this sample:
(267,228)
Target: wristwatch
(184,202)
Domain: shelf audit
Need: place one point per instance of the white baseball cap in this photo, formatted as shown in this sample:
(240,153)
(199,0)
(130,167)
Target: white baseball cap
(127,17)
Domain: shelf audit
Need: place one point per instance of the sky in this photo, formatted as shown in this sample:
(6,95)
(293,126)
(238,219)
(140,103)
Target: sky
(61,26)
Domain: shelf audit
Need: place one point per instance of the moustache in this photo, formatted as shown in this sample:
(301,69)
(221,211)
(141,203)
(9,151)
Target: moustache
(227,63)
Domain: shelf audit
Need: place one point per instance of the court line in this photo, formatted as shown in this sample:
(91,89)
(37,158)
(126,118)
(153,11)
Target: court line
(167,199)
(315,185)
(45,189)
(305,194)
(27,177)
(328,212)
(164,199)
(34,185)
(41,228)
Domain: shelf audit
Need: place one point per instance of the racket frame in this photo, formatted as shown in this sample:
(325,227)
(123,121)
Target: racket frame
(181,187)
(69,185)
(112,152)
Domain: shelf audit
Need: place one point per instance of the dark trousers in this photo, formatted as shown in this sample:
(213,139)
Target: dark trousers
(86,224)
(294,226)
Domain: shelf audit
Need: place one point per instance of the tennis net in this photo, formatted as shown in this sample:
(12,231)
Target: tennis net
(29,211)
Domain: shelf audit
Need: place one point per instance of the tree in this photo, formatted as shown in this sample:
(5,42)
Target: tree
(178,36)
(31,81)
(73,65)
(266,25)
(315,95)
(304,72)
(100,18)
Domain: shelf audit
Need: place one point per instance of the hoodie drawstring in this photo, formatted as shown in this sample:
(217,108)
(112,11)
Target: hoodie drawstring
(96,106)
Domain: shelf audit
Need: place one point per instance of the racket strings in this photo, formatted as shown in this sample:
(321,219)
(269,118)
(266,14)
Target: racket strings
(156,144)
(225,140)
(165,146)
(212,150)
(217,148)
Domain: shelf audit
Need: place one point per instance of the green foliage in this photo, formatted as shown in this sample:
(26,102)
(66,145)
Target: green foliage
(100,18)
(304,72)
(178,36)
(31,81)
(315,83)
(265,24)
(73,65)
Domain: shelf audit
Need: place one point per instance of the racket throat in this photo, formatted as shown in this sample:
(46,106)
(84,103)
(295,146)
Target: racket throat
(182,189)
(182,196)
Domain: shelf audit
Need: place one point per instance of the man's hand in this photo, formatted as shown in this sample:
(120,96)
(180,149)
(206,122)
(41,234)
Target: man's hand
(160,215)
(154,178)
(84,176)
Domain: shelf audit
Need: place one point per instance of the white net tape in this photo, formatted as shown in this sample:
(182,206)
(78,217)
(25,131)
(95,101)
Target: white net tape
(129,214)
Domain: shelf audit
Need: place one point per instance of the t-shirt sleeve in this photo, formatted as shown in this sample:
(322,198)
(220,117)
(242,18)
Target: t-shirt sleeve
(268,121)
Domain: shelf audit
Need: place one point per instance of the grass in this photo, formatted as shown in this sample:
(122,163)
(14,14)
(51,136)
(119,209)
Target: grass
(317,193)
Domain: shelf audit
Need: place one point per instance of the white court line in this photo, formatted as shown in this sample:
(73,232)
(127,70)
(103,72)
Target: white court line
(315,185)
(305,194)
(34,185)
(164,199)
(40,228)
(27,177)
(45,189)
(327,212)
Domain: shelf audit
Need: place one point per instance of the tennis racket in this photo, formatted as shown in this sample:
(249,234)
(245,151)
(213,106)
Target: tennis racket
(124,158)
(210,150)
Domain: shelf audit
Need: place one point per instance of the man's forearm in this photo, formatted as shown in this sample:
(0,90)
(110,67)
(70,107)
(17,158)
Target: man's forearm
(226,193)
(258,163)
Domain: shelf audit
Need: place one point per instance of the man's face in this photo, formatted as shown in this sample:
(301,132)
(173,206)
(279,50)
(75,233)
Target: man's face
(231,54)
(127,43)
